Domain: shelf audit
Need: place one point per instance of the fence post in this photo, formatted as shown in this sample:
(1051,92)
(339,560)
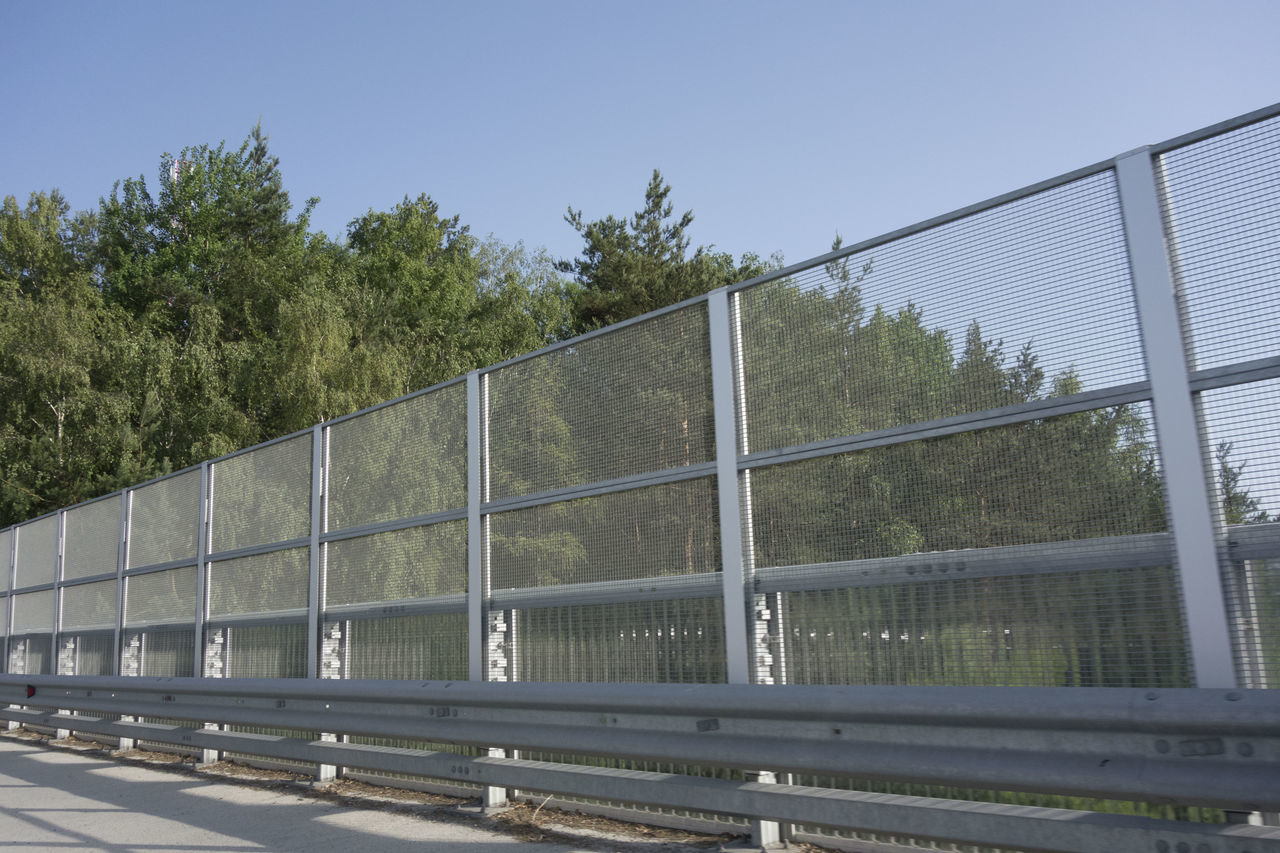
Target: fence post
(319,502)
(478,639)
(740,641)
(204,526)
(1187,488)
(56,653)
(10,572)
(122,564)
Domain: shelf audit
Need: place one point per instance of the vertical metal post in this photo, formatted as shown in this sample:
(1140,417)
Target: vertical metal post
(122,556)
(1187,487)
(55,652)
(205,527)
(319,473)
(11,573)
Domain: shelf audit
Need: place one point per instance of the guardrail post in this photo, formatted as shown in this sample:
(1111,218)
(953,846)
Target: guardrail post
(1187,486)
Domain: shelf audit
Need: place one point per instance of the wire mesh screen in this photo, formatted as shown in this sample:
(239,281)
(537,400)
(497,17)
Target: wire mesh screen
(31,655)
(6,547)
(1079,476)
(657,531)
(37,554)
(1113,628)
(261,496)
(168,596)
(1022,302)
(1244,447)
(263,583)
(417,562)
(33,612)
(91,539)
(1222,213)
(634,400)
(266,651)
(678,641)
(93,652)
(400,461)
(168,652)
(90,605)
(164,521)
(423,646)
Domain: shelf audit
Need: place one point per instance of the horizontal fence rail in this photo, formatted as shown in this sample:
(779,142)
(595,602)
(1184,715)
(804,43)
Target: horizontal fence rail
(1191,747)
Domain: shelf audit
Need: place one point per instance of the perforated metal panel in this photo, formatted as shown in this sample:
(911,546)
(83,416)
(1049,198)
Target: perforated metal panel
(1223,216)
(37,555)
(88,606)
(159,597)
(417,562)
(656,531)
(92,653)
(634,400)
(262,496)
(164,521)
(660,641)
(91,539)
(431,646)
(259,584)
(165,652)
(1119,628)
(33,612)
(1078,476)
(266,651)
(934,324)
(400,461)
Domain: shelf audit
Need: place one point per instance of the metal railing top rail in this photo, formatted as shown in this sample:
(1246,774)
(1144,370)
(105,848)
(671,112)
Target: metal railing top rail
(1182,746)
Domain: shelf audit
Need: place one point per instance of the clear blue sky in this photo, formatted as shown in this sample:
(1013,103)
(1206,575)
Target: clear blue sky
(777,124)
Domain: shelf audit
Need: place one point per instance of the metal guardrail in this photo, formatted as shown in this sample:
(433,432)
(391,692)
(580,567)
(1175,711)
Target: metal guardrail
(1198,747)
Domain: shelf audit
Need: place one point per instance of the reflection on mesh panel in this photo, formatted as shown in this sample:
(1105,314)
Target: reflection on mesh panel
(1222,214)
(262,496)
(91,540)
(1079,476)
(652,641)
(91,605)
(1116,628)
(262,583)
(628,402)
(94,653)
(432,646)
(168,596)
(417,562)
(37,553)
(400,461)
(1026,301)
(265,651)
(164,521)
(656,531)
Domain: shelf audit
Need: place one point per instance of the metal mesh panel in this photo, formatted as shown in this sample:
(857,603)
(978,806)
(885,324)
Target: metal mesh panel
(266,651)
(6,548)
(90,605)
(262,496)
(94,653)
(400,461)
(1116,628)
(1223,216)
(1025,301)
(33,612)
(31,655)
(1253,593)
(656,641)
(1243,432)
(260,584)
(417,562)
(166,652)
(1078,476)
(634,400)
(429,646)
(168,596)
(657,531)
(91,539)
(37,554)
(164,521)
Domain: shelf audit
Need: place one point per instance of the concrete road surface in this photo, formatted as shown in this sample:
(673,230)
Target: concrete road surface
(56,800)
